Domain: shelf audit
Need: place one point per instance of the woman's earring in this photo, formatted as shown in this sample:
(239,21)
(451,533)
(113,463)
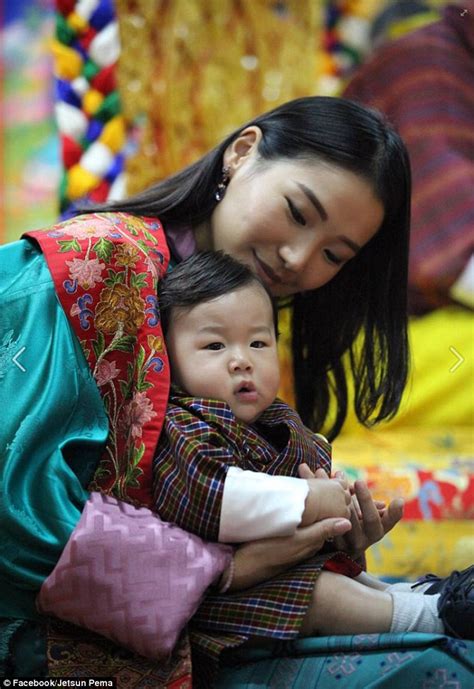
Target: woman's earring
(222,186)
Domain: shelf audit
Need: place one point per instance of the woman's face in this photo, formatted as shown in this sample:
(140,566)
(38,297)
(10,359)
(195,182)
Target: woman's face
(295,223)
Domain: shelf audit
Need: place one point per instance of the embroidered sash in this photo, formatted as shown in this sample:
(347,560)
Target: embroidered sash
(106,268)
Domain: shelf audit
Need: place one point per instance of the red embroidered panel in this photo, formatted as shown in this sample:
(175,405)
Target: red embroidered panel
(106,268)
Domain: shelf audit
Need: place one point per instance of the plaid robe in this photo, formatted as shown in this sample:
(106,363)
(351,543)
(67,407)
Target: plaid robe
(200,440)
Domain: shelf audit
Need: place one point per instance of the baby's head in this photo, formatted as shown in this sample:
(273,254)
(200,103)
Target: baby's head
(220,326)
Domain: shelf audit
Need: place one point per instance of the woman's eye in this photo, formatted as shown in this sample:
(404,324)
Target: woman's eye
(214,346)
(258,344)
(332,258)
(297,216)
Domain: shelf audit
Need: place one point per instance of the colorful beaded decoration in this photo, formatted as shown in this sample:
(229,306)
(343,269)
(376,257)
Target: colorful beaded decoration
(91,126)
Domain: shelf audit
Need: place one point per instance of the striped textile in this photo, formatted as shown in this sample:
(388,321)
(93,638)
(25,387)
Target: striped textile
(202,438)
(424,83)
(273,609)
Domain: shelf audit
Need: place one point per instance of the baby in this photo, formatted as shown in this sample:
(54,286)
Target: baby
(228,468)
(227,464)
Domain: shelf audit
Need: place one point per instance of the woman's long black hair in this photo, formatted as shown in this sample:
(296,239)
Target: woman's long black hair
(362,312)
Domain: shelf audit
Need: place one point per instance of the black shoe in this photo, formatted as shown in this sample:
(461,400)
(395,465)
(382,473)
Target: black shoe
(438,583)
(456,602)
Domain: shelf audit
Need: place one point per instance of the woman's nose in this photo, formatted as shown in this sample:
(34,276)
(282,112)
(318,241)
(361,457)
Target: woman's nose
(296,256)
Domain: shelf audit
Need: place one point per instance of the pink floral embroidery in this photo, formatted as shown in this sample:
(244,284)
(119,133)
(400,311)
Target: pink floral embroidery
(108,289)
(106,371)
(86,230)
(86,271)
(138,412)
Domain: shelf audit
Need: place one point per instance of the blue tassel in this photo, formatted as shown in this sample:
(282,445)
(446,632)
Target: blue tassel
(102,15)
(66,94)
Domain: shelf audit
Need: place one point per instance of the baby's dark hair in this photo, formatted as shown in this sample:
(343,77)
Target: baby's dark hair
(202,277)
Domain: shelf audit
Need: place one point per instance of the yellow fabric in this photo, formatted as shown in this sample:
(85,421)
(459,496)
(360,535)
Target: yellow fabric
(428,446)
(441,388)
(232,60)
(432,469)
(77,22)
(436,394)
(412,23)
(418,547)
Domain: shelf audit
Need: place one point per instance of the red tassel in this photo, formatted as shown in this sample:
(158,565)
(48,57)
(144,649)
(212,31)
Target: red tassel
(71,150)
(104,81)
(65,7)
(100,192)
(87,38)
(330,40)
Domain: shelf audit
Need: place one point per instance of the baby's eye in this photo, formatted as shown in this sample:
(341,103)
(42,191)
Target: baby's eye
(258,344)
(214,346)
(332,258)
(297,215)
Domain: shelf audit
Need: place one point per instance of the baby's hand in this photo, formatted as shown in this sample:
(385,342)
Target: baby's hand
(370,519)
(325,499)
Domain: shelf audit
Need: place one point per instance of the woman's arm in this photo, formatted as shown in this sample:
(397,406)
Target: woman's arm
(261,560)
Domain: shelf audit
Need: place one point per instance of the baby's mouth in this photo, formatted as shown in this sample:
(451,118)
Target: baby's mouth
(246,392)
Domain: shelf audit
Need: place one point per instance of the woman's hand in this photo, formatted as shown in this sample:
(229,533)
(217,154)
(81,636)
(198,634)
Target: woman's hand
(370,519)
(260,560)
(373,523)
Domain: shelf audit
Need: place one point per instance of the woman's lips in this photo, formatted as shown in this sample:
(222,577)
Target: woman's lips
(268,272)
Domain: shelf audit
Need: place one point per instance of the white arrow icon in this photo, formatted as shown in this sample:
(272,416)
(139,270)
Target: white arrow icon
(460,359)
(17,363)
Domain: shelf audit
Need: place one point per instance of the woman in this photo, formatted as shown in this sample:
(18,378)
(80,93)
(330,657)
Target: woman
(314,197)
(229,199)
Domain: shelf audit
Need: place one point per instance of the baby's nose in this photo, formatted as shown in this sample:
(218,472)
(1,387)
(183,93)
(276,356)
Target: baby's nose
(240,363)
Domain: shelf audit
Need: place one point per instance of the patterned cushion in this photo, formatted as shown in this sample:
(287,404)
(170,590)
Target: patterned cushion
(131,577)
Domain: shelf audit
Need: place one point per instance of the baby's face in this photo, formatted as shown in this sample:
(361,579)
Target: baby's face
(226,349)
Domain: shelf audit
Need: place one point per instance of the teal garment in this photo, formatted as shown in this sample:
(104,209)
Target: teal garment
(365,661)
(23,648)
(52,432)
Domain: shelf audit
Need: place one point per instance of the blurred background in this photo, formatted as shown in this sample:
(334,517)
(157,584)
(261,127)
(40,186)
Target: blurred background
(189,72)
(102,97)
(30,144)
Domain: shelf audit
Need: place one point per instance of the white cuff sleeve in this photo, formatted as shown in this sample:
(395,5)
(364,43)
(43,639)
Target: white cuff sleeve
(256,505)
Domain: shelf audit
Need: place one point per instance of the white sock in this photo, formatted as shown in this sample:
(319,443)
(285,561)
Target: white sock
(415,612)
